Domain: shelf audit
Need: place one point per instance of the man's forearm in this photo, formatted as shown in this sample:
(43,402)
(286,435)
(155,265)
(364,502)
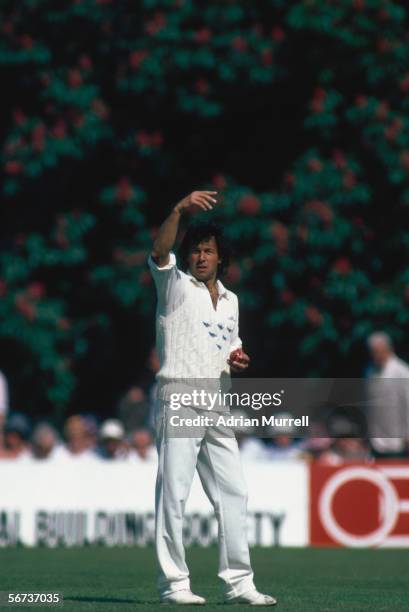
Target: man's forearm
(166,236)
(167,233)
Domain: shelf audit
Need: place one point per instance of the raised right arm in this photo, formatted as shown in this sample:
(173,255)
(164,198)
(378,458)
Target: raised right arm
(167,232)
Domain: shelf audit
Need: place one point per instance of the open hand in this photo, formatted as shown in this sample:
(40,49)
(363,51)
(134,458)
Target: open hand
(201,199)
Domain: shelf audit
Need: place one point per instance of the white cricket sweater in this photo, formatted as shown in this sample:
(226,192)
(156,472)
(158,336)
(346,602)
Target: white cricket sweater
(193,339)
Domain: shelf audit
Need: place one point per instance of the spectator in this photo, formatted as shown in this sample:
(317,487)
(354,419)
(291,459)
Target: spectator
(388,416)
(251,448)
(16,435)
(283,443)
(45,441)
(79,443)
(317,440)
(344,450)
(347,446)
(141,445)
(111,440)
(92,427)
(134,409)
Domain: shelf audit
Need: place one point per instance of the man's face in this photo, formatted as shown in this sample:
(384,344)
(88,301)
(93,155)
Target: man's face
(380,353)
(204,259)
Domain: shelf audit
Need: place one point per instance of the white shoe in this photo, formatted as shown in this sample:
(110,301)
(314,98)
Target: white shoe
(253,598)
(184,597)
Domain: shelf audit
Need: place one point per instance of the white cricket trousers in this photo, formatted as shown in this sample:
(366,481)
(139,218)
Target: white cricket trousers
(218,463)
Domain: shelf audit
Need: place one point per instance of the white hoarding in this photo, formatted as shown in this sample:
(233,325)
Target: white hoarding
(77,503)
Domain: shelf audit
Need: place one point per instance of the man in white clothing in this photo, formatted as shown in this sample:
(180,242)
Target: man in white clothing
(4,404)
(197,338)
(389,417)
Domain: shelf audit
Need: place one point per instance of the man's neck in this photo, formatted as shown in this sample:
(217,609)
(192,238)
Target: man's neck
(211,284)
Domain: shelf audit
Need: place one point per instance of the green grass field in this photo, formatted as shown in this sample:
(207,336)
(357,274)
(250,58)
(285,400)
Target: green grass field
(123,579)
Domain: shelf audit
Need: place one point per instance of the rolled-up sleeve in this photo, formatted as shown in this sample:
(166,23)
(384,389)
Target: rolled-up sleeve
(168,282)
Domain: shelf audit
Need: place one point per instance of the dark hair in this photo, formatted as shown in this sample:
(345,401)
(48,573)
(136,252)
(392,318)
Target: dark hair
(196,233)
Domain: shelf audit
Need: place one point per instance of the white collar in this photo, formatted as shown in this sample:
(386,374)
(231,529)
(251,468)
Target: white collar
(221,290)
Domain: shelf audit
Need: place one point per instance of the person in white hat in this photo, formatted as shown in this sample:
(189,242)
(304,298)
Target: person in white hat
(111,440)
(197,338)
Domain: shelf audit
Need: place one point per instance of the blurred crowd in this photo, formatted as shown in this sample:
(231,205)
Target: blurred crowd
(129,435)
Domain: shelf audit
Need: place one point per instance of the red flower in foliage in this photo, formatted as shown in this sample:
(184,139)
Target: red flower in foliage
(393,130)
(339,159)
(20,240)
(249,205)
(136,58)
(349,180)
(280,236)
(321,209)
(404,83)
(156,24)
(85,62)
(315,164)
(74,78)
(313,315)
(317,105)
(45,79)
(277,34)
(289,179)
(18,116)
(142,138)
(219,181)
(145,278)
(100,108)
(361,101)
(36,291)
(342,265)
(203,36)
(25,308)
(318,100)
(287,296)
(202,86)
(157,139)
(302,232)
(404,160)
(382,111)
(383,45)
(63,324)
(38,137)
(26,41)
(13,167)
(124,191)
(267,57)
(383,15)
(239,44)
(61,239)
(59,129)
(233,273)
(78,120)
(7,27)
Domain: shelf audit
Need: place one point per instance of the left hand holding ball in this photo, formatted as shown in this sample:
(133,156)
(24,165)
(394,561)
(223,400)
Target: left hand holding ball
(238,360)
